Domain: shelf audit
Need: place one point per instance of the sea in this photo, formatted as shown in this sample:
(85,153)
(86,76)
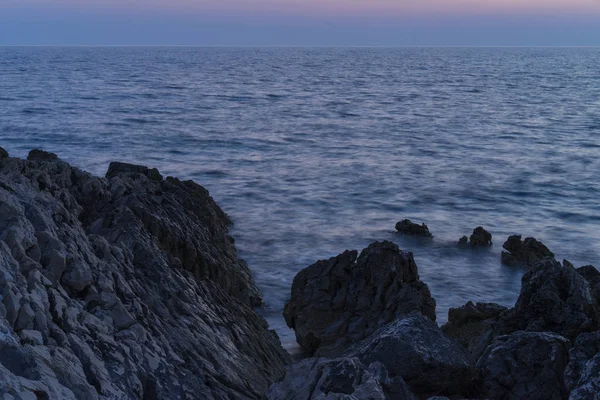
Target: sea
(313,151)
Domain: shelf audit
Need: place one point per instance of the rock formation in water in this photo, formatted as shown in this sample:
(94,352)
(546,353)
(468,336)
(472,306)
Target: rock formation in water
(524,252)
(479,238)
(546,347)
(408,227)
(124,287)
(340,301)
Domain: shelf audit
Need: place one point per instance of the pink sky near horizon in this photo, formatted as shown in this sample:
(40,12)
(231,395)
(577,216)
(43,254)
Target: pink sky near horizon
(352,8)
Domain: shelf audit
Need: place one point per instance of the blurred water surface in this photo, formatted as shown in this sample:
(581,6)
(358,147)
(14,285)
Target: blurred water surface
(316,150)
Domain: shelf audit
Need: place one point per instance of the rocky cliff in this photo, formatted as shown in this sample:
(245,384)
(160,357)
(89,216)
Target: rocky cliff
(123,287)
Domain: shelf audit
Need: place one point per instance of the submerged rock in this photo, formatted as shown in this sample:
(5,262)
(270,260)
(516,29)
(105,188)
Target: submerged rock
(408,227)
(340,301)
(341,378)
(125,287)
(473,325)
(415,349)
(524,252)
(525,365)
(582,376)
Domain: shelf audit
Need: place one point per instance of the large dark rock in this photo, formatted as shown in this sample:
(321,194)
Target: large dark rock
(524,365)
(415,349)
(125,287)
(582,376)
(342,300)
(480,238)
(341,378)
(592,275)
(3,153)
(524,252)
(408,227)
(473,325)
(553,298)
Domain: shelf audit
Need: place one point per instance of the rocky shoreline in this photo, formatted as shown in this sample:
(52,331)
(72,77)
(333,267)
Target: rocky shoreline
(130,287)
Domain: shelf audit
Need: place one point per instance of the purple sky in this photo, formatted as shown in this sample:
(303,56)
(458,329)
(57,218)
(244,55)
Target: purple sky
(300,22)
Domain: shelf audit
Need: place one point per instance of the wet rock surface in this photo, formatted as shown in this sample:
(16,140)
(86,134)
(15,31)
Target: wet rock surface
(524,252)
(415,349)
(126,287)
(525,365)
(408,227)
(479,238)
(337,302)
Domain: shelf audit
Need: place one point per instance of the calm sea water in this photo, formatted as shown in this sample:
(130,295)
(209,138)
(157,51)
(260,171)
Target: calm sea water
(314,151)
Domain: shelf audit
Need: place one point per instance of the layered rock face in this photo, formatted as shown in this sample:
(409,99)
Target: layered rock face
(124,287)
(343,300)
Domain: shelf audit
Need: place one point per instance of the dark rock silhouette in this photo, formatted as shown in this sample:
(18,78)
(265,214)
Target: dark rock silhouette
(407,227)
(524,252)
(340,301)
(125,287)
(524,365)
(415,349)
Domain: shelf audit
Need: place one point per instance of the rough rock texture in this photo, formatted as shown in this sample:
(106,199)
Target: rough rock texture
(524,365)
(480,238)
(553,298)
(582,376)
(524,252)
(410,228)
(340,378)
(415,349)
(342,300)
(123,288)
(592,275)
(473,325)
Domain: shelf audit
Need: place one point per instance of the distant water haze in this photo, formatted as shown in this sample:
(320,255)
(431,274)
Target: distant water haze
(315,151)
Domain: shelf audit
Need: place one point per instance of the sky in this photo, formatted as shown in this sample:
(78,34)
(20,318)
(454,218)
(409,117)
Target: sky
(301,22)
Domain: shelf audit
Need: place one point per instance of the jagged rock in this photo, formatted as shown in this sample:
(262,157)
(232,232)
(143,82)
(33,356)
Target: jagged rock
(592,275)
(125,287)
(415,349)
(408,227)
(480,238)
(340,378)
(339,301)
(525,365)
(553,298)
(473,325)
(3,153)
(524,252)
(582,375)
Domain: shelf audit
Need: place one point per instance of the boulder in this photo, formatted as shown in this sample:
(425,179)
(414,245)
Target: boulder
(340,301)
(408,227)
(480,238)
(582,375)
(415,349)
(553,298)
(463,241)
(525,365)
(126,287)
(524,252)
(473,325)
(341,378)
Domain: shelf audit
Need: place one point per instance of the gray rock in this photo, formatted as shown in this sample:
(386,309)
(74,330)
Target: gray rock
(553,298)
(415,349)
(342,300)
(524,252)
(340,378)
(473,325)
(408,227)
(525,365)
(135,296)
(582,375)
(592,275)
